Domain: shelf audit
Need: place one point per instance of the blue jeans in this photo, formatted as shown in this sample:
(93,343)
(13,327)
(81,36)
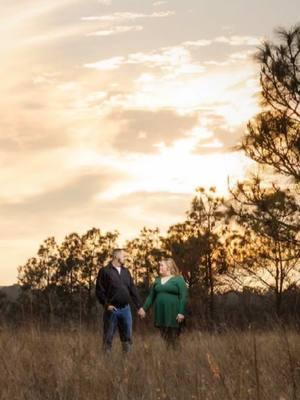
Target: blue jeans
(120,319)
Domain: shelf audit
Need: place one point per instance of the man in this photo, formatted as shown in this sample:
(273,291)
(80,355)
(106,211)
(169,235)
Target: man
(114,288)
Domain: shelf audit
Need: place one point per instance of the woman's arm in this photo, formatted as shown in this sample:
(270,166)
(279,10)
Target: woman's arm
(183,295)
(151,297)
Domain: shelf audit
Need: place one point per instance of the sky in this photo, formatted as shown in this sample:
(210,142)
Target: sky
(112,112)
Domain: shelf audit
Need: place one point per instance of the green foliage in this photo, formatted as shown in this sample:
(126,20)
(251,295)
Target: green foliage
(60,279)
(144,253)
(273,137)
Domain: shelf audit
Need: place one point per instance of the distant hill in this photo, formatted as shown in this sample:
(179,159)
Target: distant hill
(12,292)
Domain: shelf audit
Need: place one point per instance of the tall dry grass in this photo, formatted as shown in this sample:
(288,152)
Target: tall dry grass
(69,365)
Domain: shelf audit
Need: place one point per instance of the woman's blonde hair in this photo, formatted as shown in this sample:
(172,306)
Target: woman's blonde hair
(174,270)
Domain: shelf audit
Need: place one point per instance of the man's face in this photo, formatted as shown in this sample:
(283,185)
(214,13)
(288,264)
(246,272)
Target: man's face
(121,257)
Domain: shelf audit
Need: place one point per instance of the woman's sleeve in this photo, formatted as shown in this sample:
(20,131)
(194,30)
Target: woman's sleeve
(183,295)
(150,299)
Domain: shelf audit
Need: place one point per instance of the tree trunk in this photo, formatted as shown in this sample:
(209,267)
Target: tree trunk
(211,287)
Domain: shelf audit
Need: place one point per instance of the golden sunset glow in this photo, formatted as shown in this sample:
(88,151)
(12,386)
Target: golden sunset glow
(111,115)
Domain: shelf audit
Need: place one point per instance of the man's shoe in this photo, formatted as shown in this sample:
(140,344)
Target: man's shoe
(126,347)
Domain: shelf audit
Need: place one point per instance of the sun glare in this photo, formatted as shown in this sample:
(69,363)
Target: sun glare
(176,170)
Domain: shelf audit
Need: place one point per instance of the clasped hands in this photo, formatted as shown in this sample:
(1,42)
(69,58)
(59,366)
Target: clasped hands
(142,314)
(180,318)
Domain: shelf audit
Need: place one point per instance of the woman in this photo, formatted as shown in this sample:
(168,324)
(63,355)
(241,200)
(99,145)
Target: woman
(169,294)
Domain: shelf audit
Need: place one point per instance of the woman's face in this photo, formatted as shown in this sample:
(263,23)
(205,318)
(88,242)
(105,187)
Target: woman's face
(164,268)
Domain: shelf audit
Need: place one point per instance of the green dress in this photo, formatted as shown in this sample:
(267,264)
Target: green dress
(169,299)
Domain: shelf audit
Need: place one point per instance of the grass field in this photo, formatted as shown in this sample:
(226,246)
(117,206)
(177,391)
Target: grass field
(40,365)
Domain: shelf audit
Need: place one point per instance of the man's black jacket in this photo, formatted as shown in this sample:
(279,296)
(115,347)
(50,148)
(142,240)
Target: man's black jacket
(116,289)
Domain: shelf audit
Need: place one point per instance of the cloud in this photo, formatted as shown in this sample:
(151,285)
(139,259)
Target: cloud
(177,169)
(116,30)
(108,64)
(127,16)
(166,59)
(152,209)
(192,92)
(242,55)
(174,60)
(239,40)
(238,57)
(198,43)
(228,40)
(221,138)
(78,192)
(159,3)
(74,197)
(108,21)
(141,131)
(20,133)
(43,120)
(72,194)
(179,57)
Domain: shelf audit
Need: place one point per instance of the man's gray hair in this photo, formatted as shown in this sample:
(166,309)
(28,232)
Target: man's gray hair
(117,251)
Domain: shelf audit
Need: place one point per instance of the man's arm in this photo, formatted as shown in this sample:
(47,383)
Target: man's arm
(100,288)
(134,292)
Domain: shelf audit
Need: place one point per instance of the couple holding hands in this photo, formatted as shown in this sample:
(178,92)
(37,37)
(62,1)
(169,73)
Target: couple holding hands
(115,288)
